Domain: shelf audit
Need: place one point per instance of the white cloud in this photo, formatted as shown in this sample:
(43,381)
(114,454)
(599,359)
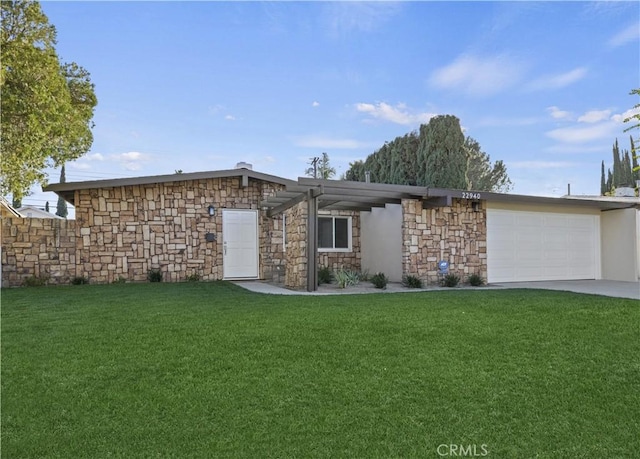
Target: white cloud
(230,118)
(540,164)
(478,76)
(558,81)
(321,142)
(400,114)
(594,116)
(631,33)
(315,104)
(131,160)
(619,118)
(558,114)
(81,166)
(583,134)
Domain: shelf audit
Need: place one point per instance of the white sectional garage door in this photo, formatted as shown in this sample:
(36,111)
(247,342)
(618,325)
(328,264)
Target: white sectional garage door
(535,246)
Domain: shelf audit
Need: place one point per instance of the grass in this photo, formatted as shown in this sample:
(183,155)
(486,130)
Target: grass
(210,370)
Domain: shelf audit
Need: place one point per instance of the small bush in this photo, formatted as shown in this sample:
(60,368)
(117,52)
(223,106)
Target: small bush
(365,276)
(476,280)
(79,280)
(379,280)
(120,280)
(347,277)
(195,277)
(325,276)
(154,275)
(451,280)
(36,281)
(411,281)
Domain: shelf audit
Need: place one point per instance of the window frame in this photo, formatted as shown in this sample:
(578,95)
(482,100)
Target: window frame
(349,247)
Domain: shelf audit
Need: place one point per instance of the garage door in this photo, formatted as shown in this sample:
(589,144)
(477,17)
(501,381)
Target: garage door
(533,246)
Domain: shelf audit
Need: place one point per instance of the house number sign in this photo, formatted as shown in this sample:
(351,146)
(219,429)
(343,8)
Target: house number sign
(470,195)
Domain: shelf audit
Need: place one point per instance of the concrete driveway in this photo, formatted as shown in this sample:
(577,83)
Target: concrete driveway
(596,287)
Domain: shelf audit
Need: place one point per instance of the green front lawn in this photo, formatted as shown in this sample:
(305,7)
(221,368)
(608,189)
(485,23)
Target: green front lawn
(210,370)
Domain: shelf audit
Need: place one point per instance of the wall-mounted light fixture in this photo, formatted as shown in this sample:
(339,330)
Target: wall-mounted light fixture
(475,205)
(211,210)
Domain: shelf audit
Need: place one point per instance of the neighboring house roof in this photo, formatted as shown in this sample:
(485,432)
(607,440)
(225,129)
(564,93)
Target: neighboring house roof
(4,204)
(67,190)
(35,212)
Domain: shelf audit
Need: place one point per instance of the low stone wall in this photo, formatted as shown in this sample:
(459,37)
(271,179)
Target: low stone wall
(457,234)
(38,247)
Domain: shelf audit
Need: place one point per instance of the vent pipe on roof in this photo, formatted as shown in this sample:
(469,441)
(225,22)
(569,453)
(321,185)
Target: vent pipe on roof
(243,165)
(367,176)
(568,189)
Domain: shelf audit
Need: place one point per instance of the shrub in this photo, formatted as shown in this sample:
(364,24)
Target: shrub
(476,280)
(325,276)
(364,276)
(79,280)
(347,277)
(195,277)
(379,280)
(154,275)
(36,281)
(120,280)
(411,281)
(451,280)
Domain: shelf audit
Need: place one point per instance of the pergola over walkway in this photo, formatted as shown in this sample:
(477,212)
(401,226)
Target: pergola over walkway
(334,195)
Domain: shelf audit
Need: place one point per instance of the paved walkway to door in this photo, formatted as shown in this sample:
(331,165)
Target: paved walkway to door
(596,287)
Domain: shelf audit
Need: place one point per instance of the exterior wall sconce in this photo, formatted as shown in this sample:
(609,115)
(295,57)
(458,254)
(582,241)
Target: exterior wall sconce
(211,210)
(475,206)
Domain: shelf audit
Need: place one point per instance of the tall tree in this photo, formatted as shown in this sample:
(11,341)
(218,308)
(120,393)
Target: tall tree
(61,208)
(481,174)
(404,160)
(46,107)
(617,166)
(603,182)
(441,153)
(321,168)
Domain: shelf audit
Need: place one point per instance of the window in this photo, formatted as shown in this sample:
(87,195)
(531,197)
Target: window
(334,234)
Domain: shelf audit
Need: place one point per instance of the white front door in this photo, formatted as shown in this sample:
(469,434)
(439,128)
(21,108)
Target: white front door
(240,243)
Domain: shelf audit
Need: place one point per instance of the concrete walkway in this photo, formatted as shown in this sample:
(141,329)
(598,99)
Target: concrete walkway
(616,289)
(596,287)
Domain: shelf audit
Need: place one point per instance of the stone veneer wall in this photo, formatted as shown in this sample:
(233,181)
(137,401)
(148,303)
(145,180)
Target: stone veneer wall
(125,231)
(42,247)
(296,246)
(456,234)
(347,260)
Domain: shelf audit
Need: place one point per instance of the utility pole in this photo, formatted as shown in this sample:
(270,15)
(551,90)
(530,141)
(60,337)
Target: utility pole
(314,162)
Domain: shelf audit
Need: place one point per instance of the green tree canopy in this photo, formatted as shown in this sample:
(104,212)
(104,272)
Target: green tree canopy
(321,168)
(46,107)
(437,155)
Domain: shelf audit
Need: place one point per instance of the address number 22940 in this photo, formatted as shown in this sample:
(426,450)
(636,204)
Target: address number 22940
(468,195)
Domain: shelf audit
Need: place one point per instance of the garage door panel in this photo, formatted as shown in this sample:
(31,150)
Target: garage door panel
(529,246)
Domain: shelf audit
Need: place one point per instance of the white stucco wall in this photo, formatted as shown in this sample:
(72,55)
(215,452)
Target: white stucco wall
(381,243)
(620,244)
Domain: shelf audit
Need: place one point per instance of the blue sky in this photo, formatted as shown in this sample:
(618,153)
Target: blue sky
(202,85)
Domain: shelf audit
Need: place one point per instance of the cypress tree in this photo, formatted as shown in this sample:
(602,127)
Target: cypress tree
(627,175)
(609,180)
(61,208)
(617,166)
(443,154)
(603,182)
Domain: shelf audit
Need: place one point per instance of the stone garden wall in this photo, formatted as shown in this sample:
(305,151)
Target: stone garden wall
(43,248)
(456,234)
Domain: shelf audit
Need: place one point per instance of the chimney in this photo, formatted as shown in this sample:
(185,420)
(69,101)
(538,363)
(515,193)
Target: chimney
(243,165)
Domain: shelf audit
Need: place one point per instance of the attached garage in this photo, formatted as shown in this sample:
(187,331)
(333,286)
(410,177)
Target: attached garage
(533,245)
